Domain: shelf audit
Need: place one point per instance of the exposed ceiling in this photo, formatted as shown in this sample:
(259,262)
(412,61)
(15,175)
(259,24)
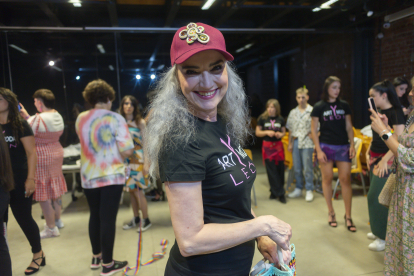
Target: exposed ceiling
(144,50)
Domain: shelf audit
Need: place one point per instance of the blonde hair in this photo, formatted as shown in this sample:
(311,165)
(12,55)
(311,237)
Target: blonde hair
(273,102)
(170,122)
(302,90)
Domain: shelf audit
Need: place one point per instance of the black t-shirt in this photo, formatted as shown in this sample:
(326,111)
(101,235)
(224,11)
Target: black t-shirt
(395,117)
(332,121)
(227,175)
(271,123)
(17,153)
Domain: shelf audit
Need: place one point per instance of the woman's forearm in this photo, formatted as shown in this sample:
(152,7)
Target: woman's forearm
(31,164)
(214,237)
(314,135)
(392,144)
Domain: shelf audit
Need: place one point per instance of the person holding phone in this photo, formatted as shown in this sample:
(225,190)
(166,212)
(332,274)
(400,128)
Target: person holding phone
(334,145)
(380,158)
(399,250)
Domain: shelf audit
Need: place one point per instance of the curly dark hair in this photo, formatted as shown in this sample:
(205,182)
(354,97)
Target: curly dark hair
(136,114)
(46,96)
(6,173)
(14,116)
(98,91)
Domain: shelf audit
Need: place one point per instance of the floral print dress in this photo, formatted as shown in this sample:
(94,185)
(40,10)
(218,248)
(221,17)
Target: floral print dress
(399,250)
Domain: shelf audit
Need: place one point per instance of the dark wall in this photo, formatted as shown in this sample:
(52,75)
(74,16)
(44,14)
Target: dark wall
(347,56)
(394,53)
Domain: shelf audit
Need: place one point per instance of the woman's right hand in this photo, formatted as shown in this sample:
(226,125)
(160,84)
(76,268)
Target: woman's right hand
(23,112)
(270,133)
(277,230)
(321,156)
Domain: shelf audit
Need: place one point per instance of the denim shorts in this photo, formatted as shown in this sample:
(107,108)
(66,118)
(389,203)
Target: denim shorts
(336,152)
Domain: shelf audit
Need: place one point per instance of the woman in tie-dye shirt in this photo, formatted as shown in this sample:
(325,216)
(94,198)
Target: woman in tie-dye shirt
(105,143)
(271,126)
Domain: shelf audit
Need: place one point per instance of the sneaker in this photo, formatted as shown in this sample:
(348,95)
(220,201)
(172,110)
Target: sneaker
(377,245)
(296,193)
(147,224)
(272,196)
(371,236)
(59,223)
(49,232)
(96,262)
(132,224)
(309,196)
(282,199)
(115,267)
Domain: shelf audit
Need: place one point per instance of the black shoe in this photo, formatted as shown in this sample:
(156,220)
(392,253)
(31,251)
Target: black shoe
(282,199)
(272,196)
(147,224)
(114,268)
(32,270)
(96,262)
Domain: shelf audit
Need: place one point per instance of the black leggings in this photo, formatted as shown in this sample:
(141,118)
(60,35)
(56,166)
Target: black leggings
(22,211)
(276,175)
(103,204)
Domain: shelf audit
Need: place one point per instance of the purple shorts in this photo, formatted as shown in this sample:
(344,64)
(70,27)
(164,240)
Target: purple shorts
(336,152)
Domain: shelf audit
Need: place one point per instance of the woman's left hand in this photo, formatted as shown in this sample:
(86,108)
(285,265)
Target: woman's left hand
(379,121)
(351,152)
(382,168)
(268,249)
(30,187)
(23,111)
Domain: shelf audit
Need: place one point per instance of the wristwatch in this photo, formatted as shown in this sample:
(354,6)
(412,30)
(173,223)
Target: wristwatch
(385,136)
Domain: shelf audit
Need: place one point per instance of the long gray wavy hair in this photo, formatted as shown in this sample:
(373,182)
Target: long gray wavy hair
(170,121)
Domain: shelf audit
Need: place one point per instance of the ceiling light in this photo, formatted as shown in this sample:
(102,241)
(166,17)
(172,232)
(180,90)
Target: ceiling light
(111,67)
(138,77)
(327,5)
(78,77)
(370,13)
(76,3)
(161,67)
(316,9)
(57,68)
(245,47)
(101,48)
(208,4)
(51,63)
(18,48)
(152,76)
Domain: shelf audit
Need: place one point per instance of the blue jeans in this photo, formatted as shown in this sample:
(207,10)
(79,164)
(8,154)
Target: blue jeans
(302,160)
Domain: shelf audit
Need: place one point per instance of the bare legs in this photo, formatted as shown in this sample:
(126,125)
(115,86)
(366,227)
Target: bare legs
(138,201)
(51,210)
(344,175)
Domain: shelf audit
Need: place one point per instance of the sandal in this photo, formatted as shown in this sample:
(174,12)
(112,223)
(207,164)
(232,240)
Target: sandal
(333,220)
(351,226)
(33,270)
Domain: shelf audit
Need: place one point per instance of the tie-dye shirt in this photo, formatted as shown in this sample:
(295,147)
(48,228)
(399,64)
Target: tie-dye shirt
(102,134)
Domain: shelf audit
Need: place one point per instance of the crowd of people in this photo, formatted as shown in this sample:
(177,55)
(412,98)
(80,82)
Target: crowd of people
(197,152)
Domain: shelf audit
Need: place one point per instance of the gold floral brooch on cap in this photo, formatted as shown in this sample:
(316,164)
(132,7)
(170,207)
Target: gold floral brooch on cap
(193,33)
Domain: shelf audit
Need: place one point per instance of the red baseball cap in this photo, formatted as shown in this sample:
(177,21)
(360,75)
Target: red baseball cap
(194,38)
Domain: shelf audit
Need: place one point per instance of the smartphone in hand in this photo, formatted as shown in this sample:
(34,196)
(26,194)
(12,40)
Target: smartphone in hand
(18,106)
(372,105)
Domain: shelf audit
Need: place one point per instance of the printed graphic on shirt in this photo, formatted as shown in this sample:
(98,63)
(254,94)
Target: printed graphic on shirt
(9,140)
(227,161)
(334,114)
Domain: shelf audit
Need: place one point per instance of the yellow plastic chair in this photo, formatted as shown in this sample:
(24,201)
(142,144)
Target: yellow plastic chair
(288,161)
(356,166)
(249,153)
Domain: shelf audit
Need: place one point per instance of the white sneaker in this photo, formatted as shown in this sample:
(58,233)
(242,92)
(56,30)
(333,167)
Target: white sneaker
(59,223)
(371,236)
(49,232)
(309,196)
(131,224)
(377,245)
(296,193)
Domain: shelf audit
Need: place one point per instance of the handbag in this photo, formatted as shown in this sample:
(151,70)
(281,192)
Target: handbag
(386,193)
(266,269)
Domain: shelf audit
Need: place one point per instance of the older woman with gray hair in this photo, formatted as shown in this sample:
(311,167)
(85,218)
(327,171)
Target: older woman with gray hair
(196,128)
